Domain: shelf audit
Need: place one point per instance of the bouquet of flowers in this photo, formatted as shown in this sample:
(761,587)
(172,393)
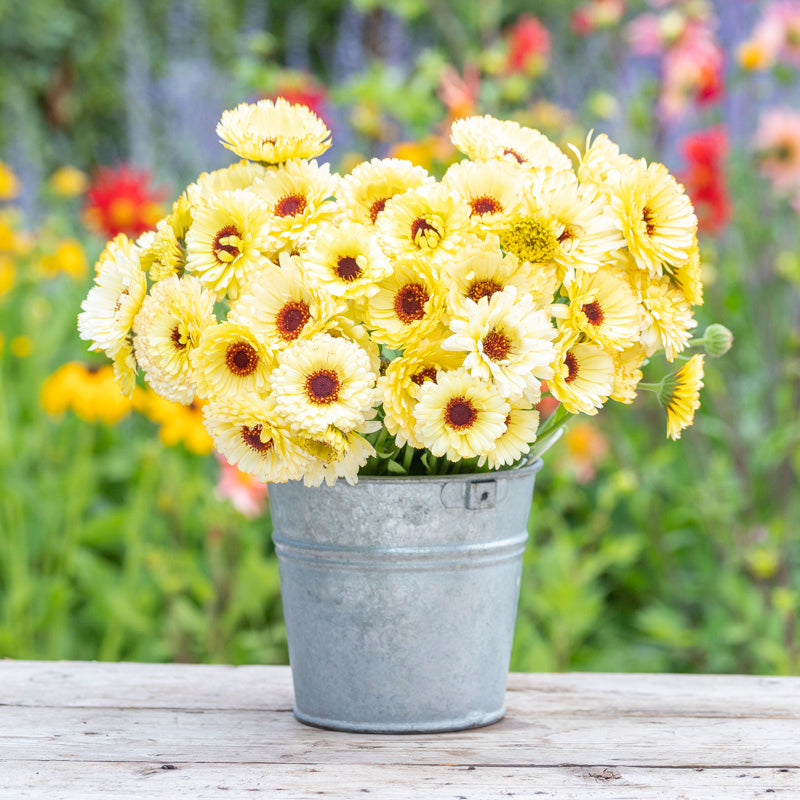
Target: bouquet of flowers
(384,322)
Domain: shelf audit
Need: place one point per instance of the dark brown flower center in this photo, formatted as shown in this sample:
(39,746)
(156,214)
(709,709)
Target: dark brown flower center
(322,387)
(290,206)
(459,414)
(426,374)
(647,217)
(420,227)
(291,319)
(482,288)
(241,358)
(347,269)
(496,345)
(176,339)
(507,151)
(409,303)
(222,244)
(252,438)
(376,208)
(593,312)
(484,205)
(572,366)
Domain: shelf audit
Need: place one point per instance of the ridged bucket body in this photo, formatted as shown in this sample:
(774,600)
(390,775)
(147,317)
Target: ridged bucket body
(400,597)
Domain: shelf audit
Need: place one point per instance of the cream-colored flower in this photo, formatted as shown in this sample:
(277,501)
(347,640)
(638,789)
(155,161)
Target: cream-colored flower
(230,360)
(168,328)
(226,241)
(336,455)
(279,307)
(346,327)
(165,253)
(481,268)
(489,188)
(601,157)
(398,387)
(484,138)
(247,430)
(324,381)
(688,277)
(113,302)
(299,198)
(273,132)
(654,214)
(459,416)
(628,373)
(602,306)
(508,342)
(408,306)
(363,193)
(241,175)
(583,375)
(346,261)
(522,423)
(428,222)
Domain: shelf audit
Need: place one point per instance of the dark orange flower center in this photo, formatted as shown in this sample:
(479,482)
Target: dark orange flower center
(241,358)
(252,438)
(593,312)
(507,151)
(290,206)
(176,339)
(223,245)
(426,374)
(409,303)
(376,208)
(291,320)
(647,217)
(422,226)
(572,366)
(484,288)
(496,345)
(322,387)
(347,269)
(484,205)
(460,414)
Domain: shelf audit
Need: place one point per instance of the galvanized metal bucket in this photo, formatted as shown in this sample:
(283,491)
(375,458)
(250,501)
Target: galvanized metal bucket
(400,597)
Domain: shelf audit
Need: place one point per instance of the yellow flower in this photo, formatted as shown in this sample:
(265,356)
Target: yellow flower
(169,327)
(655,216)
(364,193)
(583,375)
(248,431)
(178,423)
(9,184)
(225,241)
(483,138)
(240,175)
(21,346)
(680,395)
(459,416)
(165,254)
(522,423)
(68,181)
(600,157)
(508,342)
(408,307)
(69,257)
(273,133)
(428,222)
(336,455)
(230,361)
(324,381)
(90,392)
(627,373)
(7,274)
(688,276)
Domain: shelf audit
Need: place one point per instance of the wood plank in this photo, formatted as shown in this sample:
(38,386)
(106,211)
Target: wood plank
(89,781)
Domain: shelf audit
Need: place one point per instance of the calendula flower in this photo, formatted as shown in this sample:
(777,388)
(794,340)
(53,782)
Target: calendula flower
(627,372)
(654,215)
(429,222)
(165,252)
(346,261)
(680,395)
(299,198)
(68,258)
(230,361)
(460,416)
(600,157)
(489,188)
(248,431)
(583,375)
(225,242)
(602,306)
(408,306)
(279,307)
(323,381)
(168,328)
(508,342)
(688,276)
(273,132)
(113,301)
(336,455)
(241,175)
(398,387)
(177,423)
(68,181)
(522,423)
(363,193)
(484,138)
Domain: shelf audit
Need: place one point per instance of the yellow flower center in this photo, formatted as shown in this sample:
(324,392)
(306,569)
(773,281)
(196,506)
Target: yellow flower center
(531,240)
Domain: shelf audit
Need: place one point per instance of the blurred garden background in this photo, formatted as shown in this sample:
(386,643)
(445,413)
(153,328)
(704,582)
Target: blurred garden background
(123,537)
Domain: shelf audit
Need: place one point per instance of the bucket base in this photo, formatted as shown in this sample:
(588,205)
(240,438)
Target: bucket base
(421,726)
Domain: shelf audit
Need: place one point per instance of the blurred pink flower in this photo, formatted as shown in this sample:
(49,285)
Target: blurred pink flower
(529,45)
(775,37)
(777,143)
(645,36)
(247,495)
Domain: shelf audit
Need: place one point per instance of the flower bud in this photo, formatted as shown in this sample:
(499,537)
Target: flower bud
(717,339)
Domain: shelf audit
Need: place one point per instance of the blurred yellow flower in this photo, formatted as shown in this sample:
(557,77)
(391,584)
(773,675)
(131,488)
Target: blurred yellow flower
(21,346)
(753,56)
(68,181)
(68,257)
(7,274)
(90,392)
(179,424)
(9,184)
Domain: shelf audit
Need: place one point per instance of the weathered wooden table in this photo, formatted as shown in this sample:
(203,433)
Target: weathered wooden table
(89,730)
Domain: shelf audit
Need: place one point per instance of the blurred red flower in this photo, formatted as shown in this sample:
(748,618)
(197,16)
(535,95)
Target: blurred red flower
(705,153)
(528,45)
(121,200)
